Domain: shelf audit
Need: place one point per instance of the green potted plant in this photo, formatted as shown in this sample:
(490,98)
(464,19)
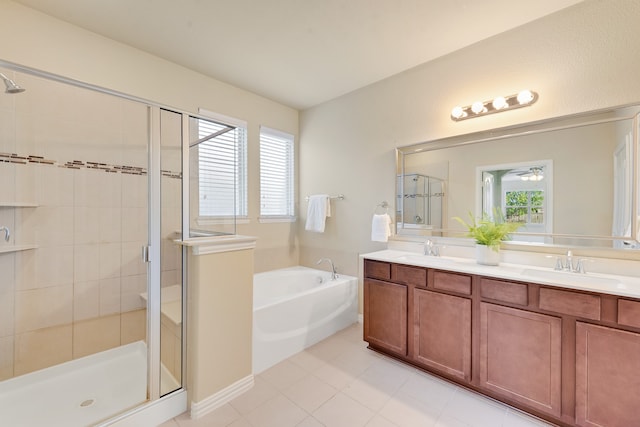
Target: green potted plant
(488,234)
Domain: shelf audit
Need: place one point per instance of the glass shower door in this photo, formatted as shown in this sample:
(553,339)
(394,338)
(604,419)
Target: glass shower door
(171,295)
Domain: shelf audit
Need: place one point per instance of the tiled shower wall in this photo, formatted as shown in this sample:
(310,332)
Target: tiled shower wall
(79,157)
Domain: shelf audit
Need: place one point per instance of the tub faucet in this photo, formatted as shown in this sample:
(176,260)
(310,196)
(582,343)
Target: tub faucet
(334,272)
(7,234)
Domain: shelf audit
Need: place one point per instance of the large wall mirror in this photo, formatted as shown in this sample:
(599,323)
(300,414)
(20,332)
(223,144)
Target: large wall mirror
(571,181)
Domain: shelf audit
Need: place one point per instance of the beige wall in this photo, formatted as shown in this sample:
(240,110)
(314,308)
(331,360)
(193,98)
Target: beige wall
(32,39)
(219,333)
(580,59)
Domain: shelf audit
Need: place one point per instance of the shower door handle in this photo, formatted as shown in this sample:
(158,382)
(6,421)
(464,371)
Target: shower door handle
(145,254)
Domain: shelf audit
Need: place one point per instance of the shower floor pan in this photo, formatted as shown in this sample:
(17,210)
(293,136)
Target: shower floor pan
(80,392)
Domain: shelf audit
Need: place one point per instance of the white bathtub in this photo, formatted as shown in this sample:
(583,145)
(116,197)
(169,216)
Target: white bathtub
(294,308)
(80,392)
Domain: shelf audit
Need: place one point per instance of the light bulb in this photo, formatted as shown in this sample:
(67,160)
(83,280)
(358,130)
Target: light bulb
(457,112)
(499,103)
(525,97)
(477,107)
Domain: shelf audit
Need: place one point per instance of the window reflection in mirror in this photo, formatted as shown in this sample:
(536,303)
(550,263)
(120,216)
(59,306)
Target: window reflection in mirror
(523,192)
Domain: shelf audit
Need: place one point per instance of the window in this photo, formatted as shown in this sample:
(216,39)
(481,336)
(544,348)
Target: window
(276,174)
(526,206)
(222,168)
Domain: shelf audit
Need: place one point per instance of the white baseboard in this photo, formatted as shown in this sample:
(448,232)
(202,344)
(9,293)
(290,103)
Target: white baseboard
(153,413)
(213,402)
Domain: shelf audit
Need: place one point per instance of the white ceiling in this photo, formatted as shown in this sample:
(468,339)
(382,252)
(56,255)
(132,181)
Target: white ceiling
(298,52)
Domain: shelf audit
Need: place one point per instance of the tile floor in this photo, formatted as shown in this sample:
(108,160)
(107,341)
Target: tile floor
(340,383)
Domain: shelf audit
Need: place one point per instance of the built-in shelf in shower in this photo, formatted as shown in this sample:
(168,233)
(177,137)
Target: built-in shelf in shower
(16,248)
(18,205)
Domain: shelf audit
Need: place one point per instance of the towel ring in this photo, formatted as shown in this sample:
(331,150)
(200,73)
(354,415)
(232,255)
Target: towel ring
(384,205)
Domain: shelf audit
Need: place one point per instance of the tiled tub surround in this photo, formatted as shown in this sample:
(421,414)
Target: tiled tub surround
(74,185)
(559,345)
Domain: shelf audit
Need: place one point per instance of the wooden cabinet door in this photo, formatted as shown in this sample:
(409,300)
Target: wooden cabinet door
(520,356)
(607,380)
(442,332)
(385,315)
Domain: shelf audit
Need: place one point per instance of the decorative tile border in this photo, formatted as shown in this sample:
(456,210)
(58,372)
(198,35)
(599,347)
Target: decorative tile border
(79,164)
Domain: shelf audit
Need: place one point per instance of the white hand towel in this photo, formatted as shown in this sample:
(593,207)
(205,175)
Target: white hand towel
(318,210)
(380,228)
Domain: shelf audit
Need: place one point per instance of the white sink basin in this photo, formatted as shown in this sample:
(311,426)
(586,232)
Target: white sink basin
(567,277)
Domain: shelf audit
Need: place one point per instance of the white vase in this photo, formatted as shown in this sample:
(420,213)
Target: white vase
(487,255)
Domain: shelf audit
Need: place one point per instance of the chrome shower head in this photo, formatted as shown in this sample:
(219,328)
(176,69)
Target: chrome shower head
(11,86)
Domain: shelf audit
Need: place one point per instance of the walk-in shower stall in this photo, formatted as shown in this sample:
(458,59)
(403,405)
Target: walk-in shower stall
(91,278)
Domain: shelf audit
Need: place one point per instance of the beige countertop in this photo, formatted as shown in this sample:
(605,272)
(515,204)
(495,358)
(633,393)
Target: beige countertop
(628,286)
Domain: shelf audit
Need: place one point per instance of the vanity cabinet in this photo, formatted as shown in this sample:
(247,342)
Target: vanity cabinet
(385,315)
(566,355)
(520,356)
(442,332)
(607,380)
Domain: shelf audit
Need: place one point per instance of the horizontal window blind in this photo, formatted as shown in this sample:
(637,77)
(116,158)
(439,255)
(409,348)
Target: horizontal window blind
(276,173)
(222,169)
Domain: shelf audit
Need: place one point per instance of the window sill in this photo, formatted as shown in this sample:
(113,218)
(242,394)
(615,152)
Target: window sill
(273,219)
(207,220)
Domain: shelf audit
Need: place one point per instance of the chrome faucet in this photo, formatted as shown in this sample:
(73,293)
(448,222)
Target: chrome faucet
(430,248)
(580,267)
(569,261)
(568,264)
(334,272)
(7,233)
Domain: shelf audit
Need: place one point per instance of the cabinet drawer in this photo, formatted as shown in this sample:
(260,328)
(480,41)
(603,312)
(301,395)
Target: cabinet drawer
(377,269)
(629,313)
(409,275)
(571,303)
(514,293)
(452,282)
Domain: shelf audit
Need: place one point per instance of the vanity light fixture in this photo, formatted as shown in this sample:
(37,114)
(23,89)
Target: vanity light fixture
(524,98)
(478,107)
